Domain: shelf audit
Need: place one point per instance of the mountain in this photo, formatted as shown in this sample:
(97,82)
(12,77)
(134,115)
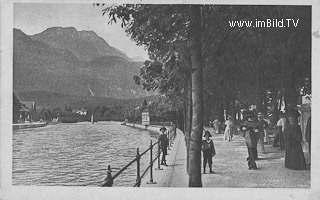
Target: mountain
(86,45)
(70,62)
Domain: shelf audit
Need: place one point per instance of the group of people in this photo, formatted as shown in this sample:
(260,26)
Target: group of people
(289,137)
(208,149)
(229,130)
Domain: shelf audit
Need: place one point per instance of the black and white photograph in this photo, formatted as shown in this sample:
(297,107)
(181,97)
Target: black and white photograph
(99,99)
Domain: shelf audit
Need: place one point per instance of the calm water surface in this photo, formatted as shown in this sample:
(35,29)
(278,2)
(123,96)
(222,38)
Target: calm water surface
(77,154)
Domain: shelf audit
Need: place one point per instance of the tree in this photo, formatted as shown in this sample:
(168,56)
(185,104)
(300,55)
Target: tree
(241,65)
(197,97)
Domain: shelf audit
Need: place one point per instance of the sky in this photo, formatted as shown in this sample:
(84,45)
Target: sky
(33,18)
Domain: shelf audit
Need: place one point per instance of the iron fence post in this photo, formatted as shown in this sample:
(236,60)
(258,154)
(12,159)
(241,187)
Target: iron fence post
(151,165)
(109,180)
(138,168)
(169,139)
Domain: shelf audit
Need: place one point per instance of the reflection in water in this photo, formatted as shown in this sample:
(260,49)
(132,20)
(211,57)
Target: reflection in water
(77,154)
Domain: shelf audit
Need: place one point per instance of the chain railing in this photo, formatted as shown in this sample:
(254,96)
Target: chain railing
(109,180)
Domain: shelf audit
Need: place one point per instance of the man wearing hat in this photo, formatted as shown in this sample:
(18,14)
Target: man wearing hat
(262,125)
(208,151)
(251,139)
(163,144)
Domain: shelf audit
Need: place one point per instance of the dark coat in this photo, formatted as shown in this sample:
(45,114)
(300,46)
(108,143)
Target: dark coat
(251,138)
(208,147)
(261,126)
(163,141)
(294,158)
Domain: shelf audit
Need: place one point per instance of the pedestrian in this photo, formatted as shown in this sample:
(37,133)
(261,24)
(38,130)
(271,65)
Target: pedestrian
(163,144)
(216,124)
(208,151)
(279,138)
(266,135)
(308,138)
(251,142)
(229,130)
(261,126)
(294,158)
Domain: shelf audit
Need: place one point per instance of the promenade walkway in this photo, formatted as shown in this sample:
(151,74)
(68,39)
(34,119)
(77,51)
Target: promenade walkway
(230,167)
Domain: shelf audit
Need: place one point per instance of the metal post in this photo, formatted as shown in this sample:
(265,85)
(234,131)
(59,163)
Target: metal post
(138,169)
(151,165)
(158,157)
(109,180)
(170,135)
(169,140)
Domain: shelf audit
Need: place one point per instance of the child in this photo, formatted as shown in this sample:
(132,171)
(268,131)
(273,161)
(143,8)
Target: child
(163,142)
(208,151)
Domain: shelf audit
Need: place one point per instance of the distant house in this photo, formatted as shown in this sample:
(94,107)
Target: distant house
(81,112)
(29,111)
(24,115)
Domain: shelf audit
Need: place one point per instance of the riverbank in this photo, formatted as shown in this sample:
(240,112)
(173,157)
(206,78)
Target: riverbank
(29,125)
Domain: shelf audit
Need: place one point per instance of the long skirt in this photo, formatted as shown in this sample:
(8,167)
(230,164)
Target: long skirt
(228,134)
(216,128)
(266,136)
(294,158)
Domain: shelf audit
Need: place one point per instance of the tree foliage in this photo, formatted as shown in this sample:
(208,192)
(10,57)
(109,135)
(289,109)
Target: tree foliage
(242,65)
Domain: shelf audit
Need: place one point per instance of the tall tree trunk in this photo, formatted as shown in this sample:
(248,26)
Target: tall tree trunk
(197,97)
(189,121)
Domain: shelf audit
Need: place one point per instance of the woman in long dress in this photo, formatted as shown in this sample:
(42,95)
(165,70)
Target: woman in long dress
(294,158)
(216,126)
(228,132)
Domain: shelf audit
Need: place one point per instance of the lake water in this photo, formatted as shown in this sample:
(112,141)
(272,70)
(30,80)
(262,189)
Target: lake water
(78,154)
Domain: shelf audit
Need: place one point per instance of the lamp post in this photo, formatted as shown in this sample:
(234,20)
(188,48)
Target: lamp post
(145,117)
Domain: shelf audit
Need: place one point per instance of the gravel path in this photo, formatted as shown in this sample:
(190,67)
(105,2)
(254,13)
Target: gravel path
(231,168)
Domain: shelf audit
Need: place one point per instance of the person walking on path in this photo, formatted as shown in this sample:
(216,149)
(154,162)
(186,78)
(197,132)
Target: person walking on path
(251,142)
(229,131)
(216,126)
(280,136)
(208,151)
(262,125)
(294,158)
(308,137)
(163,143)
(266,135)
